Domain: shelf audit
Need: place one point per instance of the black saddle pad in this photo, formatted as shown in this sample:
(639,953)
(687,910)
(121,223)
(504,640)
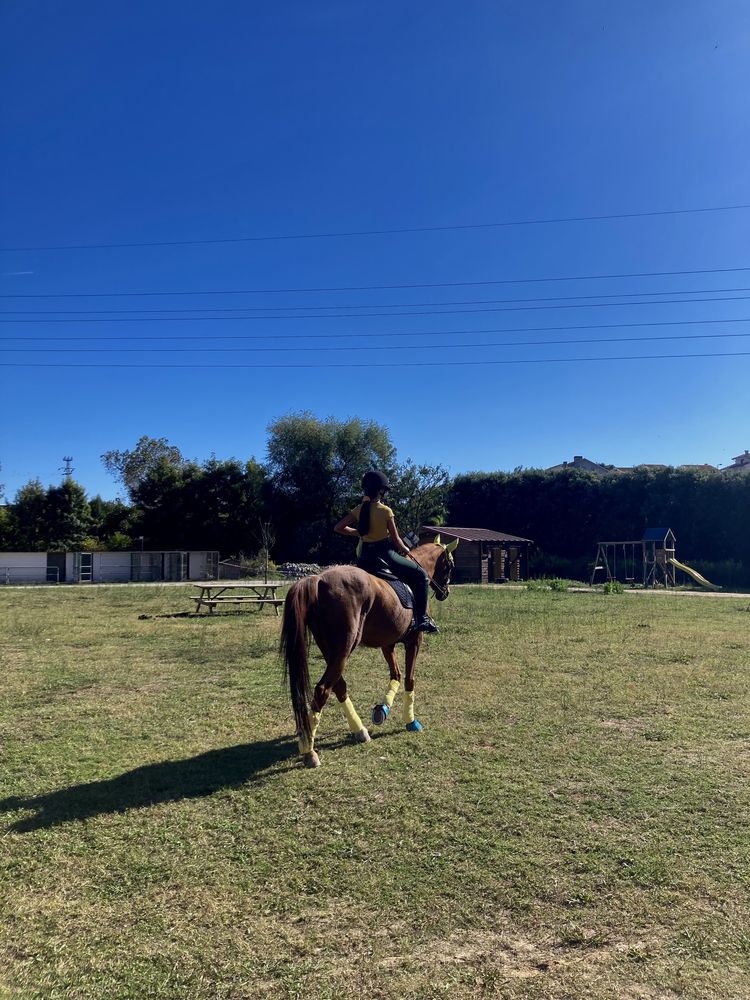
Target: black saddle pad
(404,593)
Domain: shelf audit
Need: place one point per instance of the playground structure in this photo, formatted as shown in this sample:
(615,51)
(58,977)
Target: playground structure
(650,561)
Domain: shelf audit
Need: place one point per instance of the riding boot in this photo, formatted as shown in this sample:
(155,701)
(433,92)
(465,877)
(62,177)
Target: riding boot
(426,624)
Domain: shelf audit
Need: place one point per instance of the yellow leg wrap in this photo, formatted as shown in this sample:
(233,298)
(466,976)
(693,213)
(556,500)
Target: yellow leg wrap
(355,723)
(391,694)
(305,745)
(408,707)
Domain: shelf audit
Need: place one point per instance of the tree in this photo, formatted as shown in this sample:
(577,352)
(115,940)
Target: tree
(68,516)
(114,524)
(7,530)
(131,467)
(316,467)
(215,505)
(28,518)
(418,495)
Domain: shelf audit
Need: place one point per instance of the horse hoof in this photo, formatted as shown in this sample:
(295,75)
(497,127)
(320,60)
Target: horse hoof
(379,714)
(311,759)
(362,736)
(414,727)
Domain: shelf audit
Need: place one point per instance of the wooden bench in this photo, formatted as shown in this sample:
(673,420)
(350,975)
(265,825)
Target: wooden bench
(254,592)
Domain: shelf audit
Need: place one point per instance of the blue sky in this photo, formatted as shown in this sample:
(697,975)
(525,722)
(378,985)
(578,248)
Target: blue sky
(172,122)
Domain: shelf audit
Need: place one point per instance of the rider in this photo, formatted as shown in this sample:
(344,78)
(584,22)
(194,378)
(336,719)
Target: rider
(374,524)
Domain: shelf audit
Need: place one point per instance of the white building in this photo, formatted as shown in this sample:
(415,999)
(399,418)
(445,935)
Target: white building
(107,567)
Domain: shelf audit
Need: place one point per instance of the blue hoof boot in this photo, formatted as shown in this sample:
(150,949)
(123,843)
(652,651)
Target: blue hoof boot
(379,714)
(414,727)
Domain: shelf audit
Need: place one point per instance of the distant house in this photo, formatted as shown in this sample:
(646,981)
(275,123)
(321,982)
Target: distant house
(655,467)
(585,465)
(484,556)
(741,464)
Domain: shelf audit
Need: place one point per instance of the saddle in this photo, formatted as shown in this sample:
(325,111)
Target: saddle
(382,571)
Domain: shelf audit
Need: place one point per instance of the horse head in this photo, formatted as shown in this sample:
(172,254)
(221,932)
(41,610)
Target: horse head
(441,573)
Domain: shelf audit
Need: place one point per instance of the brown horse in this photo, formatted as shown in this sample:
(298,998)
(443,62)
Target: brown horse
(345,607)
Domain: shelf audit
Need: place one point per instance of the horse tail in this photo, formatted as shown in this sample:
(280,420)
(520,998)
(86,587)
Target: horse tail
(300,599)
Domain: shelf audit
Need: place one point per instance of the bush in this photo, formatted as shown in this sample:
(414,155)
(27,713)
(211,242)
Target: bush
(295,571)
(556,584)
(730,574)
(613,587)
(544,564)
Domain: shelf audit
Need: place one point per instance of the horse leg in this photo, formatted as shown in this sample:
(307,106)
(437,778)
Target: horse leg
(319,698)
(381,711)
(412,651)
(358,731)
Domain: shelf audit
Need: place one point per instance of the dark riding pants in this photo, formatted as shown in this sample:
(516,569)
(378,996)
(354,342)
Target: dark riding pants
(374,553)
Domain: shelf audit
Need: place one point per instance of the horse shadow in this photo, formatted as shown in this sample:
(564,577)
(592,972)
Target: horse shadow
(166,781)
(152,784)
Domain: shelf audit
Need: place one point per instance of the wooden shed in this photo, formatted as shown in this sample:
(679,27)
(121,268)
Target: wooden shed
(484,556)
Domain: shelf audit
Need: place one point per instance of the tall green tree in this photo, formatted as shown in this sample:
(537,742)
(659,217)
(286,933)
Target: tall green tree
(214,505)
(132,466)
(316,467)
(114,524)
(67,516)
(418,495)
(28,518)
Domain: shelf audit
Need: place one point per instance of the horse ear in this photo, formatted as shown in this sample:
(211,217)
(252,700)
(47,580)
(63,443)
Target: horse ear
(451,545)
(437,541)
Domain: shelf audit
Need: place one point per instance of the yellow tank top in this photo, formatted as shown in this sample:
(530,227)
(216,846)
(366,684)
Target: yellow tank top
(379,517)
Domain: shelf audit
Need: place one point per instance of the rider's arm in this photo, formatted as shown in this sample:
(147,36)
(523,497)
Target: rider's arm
(396,538)
(346,526)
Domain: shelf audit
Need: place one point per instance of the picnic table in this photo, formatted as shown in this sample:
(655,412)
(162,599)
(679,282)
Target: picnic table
(254,592)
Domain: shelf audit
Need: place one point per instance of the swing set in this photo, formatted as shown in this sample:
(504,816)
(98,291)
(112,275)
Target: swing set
(607,561)
(655,552)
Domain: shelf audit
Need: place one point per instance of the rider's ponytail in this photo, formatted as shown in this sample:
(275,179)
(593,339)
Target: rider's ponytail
(363,525)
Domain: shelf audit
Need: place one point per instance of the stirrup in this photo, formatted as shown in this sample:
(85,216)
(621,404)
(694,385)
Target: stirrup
(426,624)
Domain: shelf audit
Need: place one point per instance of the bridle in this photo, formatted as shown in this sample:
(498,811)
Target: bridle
(441,591)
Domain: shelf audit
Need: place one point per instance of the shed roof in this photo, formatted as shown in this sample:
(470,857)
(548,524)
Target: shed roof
(472,534)
(656,534)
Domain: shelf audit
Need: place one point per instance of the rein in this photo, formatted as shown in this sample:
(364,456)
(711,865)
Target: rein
(440,592)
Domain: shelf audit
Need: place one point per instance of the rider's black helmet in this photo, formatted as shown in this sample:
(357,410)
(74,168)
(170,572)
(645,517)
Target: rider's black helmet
(374,481)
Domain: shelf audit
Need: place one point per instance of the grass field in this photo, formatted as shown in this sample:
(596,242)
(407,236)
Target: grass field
(572,823)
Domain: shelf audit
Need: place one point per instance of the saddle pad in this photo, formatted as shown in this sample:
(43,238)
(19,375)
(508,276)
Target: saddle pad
(403,592)
(382,571)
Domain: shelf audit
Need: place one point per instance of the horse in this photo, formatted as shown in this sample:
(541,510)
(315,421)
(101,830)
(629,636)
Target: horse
(345,607)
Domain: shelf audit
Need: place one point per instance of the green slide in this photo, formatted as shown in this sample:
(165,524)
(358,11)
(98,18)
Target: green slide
(695,575)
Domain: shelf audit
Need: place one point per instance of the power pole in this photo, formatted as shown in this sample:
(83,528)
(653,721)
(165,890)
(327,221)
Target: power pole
(67,470)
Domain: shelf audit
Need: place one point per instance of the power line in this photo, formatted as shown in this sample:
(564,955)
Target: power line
(382,364)
(348,348)
(382,232)
(394,333)
(371,305)
(372,288)
(377,315)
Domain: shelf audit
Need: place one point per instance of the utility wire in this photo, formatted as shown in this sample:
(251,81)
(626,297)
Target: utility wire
(380,334)
(382,364)
(377,315)
(347,348)
(382,232)
(370,305)
(373,288)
